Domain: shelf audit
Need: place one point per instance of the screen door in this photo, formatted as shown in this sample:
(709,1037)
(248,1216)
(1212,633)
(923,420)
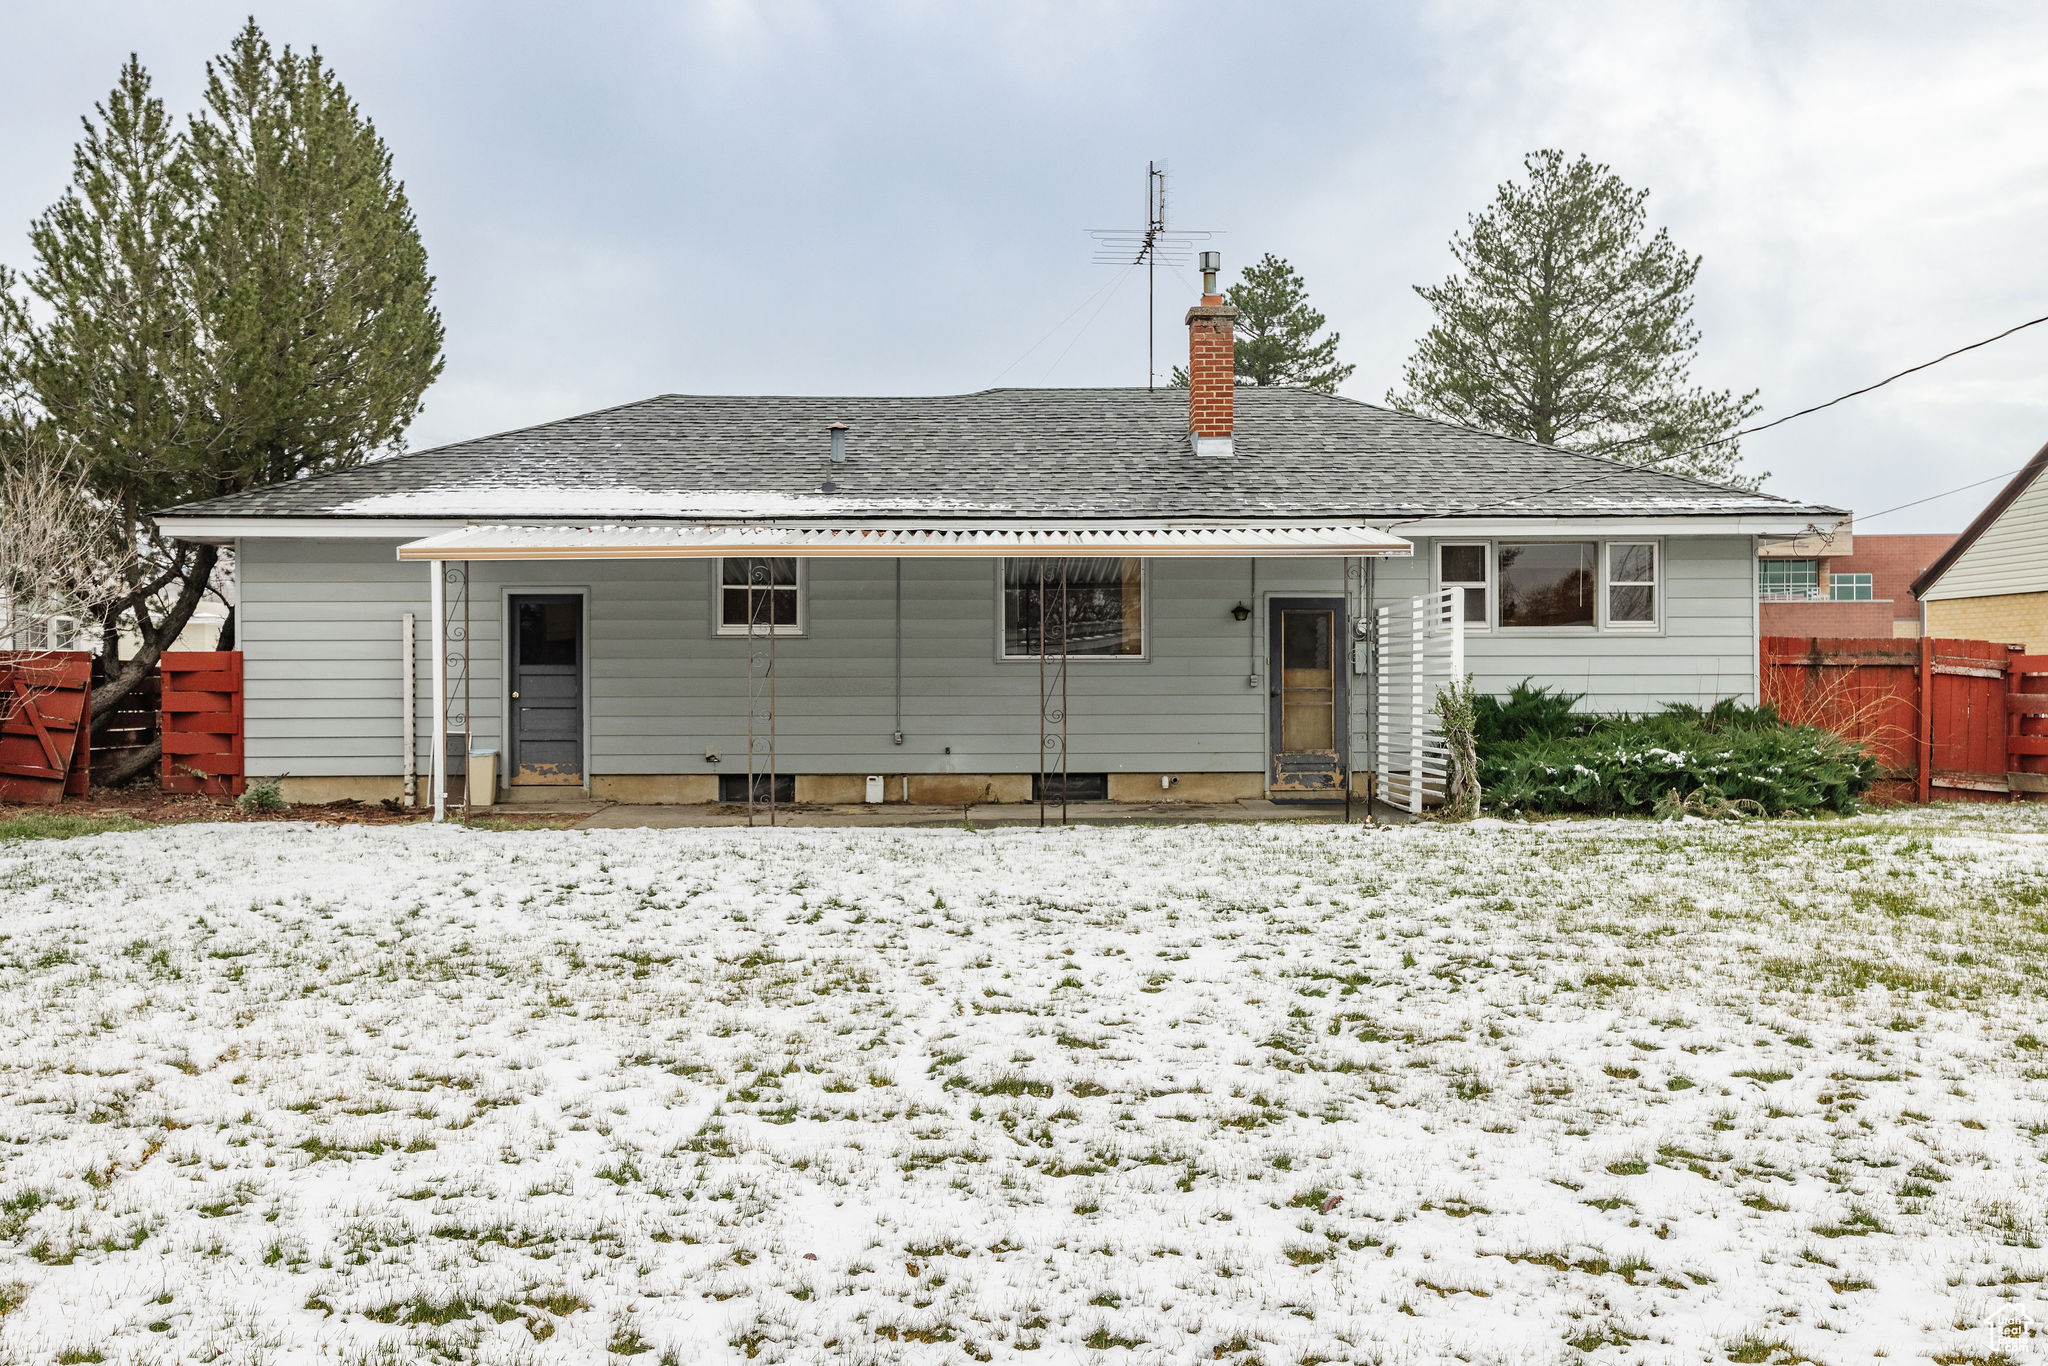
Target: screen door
(1306,669)
(547,690)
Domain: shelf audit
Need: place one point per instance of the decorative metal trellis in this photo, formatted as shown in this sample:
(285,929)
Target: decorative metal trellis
(1053,622)
(455,628)
(760,683)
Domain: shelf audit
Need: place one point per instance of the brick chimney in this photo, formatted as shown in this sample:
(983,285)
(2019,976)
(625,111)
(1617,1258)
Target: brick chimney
(1212,365)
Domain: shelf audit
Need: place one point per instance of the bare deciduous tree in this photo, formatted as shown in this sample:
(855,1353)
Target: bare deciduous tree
(63,555)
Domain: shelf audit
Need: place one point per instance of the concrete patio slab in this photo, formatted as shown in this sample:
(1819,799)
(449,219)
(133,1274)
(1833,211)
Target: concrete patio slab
(897,814)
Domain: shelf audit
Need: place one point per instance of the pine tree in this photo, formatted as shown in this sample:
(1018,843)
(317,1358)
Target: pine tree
(246,303)
(1564,325)
(1276,332)
(113,376)
(312,282)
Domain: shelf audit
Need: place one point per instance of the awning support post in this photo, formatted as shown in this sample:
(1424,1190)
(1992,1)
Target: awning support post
(437,603)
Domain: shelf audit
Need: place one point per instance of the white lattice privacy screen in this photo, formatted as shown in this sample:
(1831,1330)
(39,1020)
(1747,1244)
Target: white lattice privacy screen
(1421,649)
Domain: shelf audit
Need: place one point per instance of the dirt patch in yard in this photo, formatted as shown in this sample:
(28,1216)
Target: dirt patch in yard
(149,804)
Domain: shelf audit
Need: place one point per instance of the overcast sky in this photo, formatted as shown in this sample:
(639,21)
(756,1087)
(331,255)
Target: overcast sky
(621,200)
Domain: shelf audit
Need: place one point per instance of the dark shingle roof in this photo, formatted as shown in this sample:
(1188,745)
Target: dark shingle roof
(999,453)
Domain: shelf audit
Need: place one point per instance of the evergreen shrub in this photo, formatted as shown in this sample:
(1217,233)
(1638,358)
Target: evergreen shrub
(1539,755)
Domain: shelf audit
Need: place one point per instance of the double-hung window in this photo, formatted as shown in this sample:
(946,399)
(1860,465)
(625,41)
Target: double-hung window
(1464,566)
(764,593)
(1097,604)
(1631,584)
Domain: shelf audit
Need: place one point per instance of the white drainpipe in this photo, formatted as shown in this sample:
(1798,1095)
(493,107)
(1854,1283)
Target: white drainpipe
(408,689)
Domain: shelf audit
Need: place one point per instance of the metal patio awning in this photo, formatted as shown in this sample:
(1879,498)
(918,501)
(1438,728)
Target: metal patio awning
(685,541)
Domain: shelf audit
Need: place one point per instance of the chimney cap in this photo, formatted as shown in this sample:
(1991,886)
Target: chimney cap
(838,426)
(1212,260)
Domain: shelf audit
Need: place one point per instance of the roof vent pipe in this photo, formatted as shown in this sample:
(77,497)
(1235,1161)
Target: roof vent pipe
(838,430)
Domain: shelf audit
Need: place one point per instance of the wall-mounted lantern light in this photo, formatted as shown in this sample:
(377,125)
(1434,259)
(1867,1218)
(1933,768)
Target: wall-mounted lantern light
(1240,612)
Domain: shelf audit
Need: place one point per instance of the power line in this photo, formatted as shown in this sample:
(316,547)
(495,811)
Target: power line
(1863,517)
(1853,393)
(1625,466)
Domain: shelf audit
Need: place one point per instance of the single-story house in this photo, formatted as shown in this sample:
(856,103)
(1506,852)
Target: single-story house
(1160,594)
(1992,584)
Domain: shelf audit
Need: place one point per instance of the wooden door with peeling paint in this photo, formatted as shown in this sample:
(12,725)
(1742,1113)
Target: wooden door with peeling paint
(1305,666)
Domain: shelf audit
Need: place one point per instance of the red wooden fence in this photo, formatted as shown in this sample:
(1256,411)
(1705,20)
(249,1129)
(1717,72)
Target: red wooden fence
(45,725)
(202,721)
(1947,719)
(2027,727)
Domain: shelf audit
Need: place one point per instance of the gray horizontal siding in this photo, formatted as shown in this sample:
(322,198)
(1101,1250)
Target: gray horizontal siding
(665,688)
(321,637)
(320,634)
(1704,649)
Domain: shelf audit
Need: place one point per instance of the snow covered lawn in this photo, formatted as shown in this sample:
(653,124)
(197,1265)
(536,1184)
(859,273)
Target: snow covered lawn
(1616,1090)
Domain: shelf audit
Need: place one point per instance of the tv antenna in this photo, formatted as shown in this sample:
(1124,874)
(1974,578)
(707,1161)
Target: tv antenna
(1148,247)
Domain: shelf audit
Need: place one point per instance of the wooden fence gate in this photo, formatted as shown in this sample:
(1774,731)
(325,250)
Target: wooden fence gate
(1946,718)
(2026,743)
(45,725)
(202,721)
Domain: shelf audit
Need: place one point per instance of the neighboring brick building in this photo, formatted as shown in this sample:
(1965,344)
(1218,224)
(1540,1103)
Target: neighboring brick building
(1992,584)
(1854,586)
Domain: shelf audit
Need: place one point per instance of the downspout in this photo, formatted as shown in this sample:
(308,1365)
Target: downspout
(1756,627)
(236,625)
(407,690)
(896,737)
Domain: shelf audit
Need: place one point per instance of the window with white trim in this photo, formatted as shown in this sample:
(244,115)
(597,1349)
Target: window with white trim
(1548,583)
(1463,565)
(764,590)
(1102,597)
(1631,584)
(1851,587)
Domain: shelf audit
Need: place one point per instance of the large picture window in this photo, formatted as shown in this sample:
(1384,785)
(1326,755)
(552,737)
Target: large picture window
(1104,607)
(1548,583)
(766,590)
